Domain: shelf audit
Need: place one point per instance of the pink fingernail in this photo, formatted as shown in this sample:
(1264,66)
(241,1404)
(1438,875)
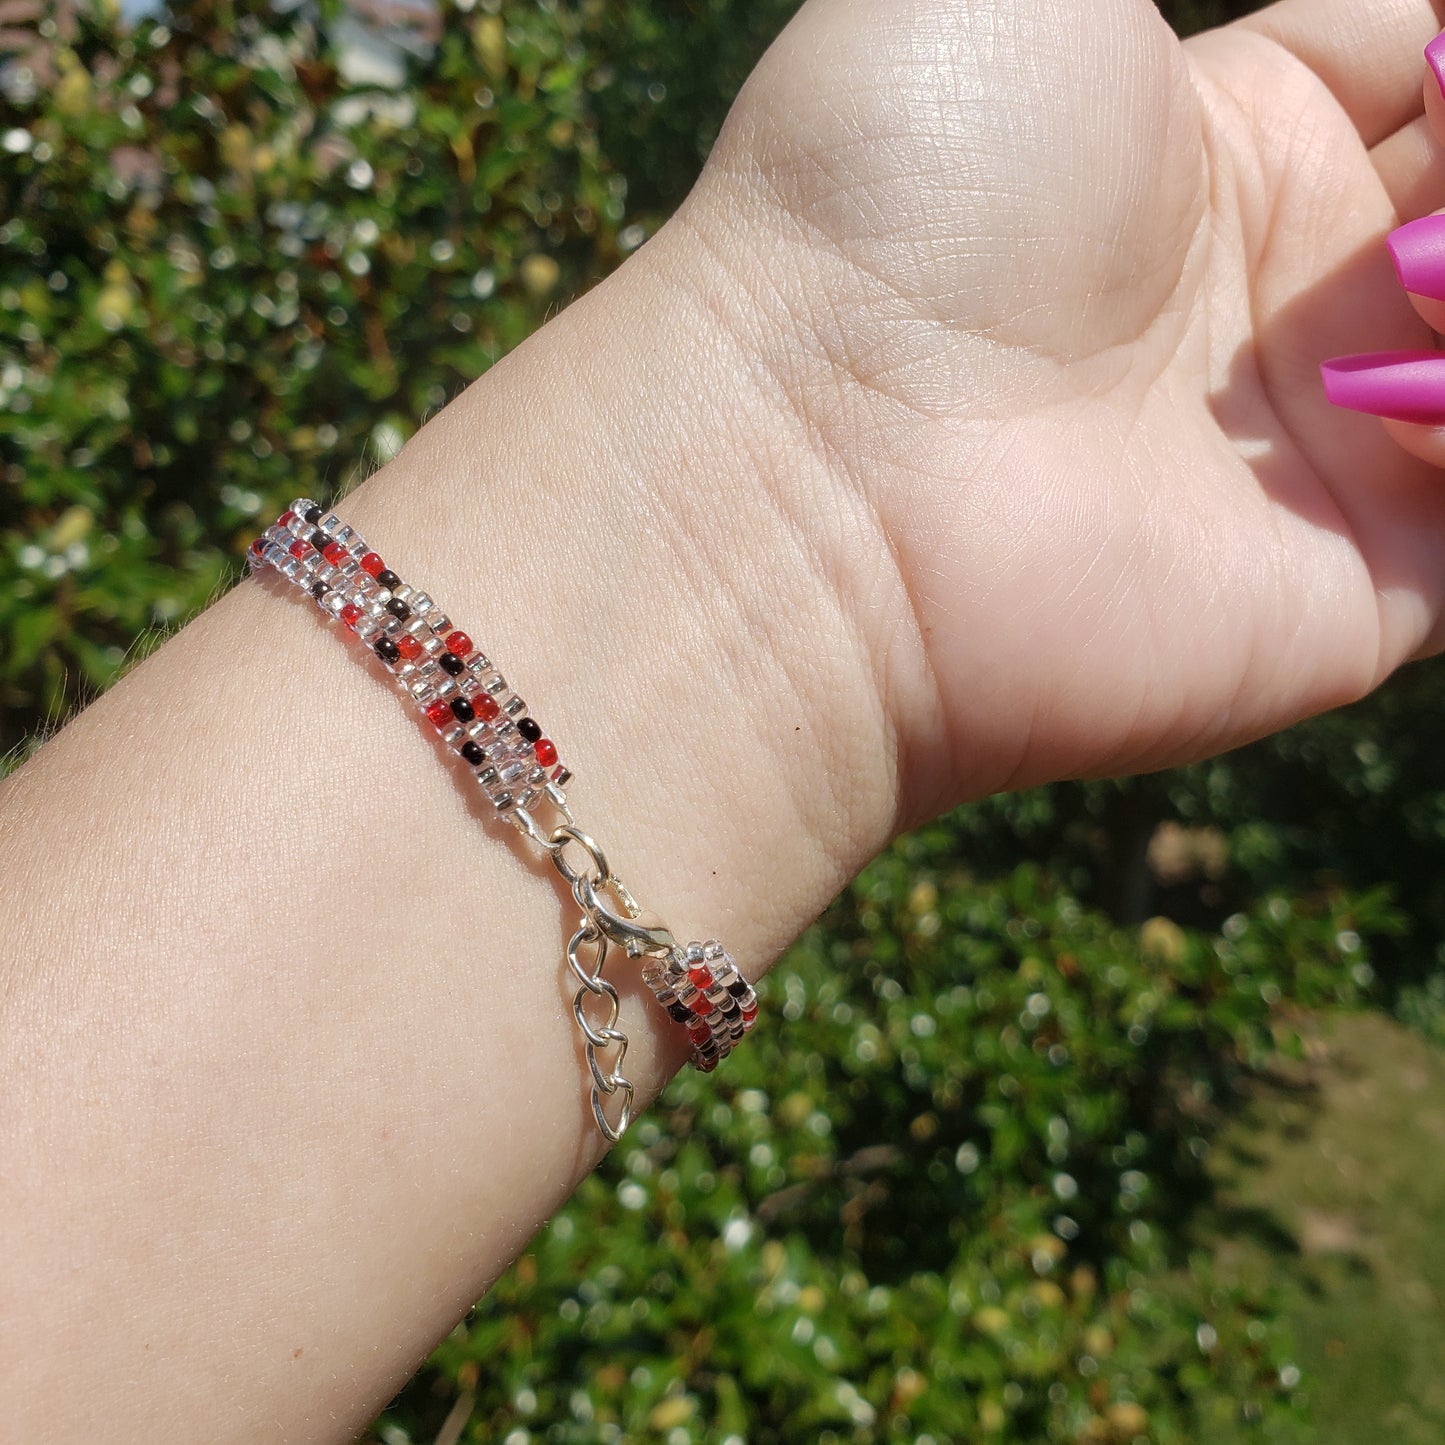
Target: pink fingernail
(1435,58)
(1419,251)
(1400,385)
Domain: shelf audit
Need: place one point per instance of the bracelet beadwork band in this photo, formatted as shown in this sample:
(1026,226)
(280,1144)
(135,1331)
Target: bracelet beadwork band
(467,700)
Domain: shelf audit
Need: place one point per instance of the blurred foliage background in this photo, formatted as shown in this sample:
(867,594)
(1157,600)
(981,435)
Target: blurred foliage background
(1000,1170)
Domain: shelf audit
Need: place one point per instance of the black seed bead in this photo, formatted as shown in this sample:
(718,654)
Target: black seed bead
(472,753)
(318,590)
(452,664)
(529,729)
(680,1012)
(388,579)
(463,710)
(387,650)
(398,609)
(313,515)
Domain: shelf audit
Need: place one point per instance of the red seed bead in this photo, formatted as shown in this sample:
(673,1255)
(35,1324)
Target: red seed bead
(408,646)
(700,975)
(298,548)
(334,553)
(707,1065)
(349,615)
(371,563)
(486,706)
(700,1006)
(459,643)
(439,713)
(287,518)
(749,1014)
(546,752)
(699,1034)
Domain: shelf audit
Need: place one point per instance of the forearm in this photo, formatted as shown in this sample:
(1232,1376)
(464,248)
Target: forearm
(288,1054)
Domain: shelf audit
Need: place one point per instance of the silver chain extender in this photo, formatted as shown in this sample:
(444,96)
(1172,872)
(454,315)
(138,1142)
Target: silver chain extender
(599,929)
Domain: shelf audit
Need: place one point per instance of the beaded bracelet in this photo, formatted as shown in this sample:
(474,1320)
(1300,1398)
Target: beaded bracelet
(465,698)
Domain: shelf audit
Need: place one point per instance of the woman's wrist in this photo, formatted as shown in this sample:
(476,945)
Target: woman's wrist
(636,521)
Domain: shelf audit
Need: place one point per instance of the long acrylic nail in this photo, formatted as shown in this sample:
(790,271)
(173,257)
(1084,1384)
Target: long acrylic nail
(1435,59)
(1419,252)
(1400,385)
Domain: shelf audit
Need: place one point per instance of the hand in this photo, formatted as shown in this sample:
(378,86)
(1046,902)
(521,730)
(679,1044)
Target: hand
(1049,299)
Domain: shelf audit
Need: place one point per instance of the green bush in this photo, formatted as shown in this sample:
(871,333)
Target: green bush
(945,1197)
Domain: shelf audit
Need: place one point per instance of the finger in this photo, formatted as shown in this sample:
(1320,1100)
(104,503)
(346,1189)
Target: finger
(1411,169)
(1425,442)
(1432,310)
(1367,54)
(1435,87)
(1418,251)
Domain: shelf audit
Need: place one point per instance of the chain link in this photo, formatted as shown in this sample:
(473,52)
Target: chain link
(611,918)
(603,1043)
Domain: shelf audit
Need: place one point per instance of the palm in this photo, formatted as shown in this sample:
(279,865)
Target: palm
(1077,288)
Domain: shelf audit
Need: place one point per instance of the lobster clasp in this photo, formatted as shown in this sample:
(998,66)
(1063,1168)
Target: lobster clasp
(639,934)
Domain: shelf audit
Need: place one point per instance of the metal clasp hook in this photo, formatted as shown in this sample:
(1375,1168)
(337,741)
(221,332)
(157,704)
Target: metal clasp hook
(638,934)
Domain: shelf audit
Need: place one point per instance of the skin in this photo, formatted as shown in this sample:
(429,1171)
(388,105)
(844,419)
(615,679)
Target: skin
(962,431)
